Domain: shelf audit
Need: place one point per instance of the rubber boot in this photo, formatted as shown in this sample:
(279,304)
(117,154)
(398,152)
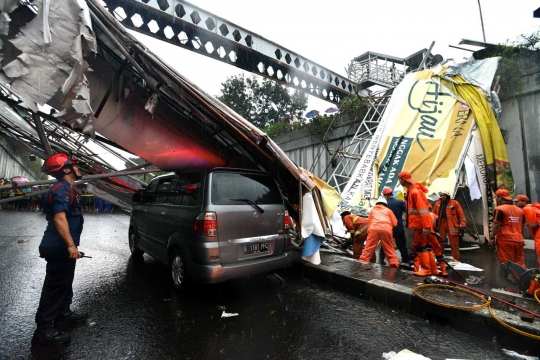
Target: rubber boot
(416,263)
(442,264)
(47,334)
(432,263)
(424,264)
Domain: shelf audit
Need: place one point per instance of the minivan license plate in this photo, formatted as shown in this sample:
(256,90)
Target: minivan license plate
(255,248)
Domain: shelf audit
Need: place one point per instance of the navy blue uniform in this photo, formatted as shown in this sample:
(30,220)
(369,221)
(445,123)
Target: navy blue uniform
(57,292)
(398,207)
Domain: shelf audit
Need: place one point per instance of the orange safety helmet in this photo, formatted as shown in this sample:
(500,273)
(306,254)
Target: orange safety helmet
(387,190)
(56,162)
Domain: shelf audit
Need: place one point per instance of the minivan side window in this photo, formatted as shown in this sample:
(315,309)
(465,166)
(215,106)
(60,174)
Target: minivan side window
(261,189)
(150,192)
(185,190)
(162,191)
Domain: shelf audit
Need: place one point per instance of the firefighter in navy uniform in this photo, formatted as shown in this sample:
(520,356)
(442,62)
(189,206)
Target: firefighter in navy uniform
(59,248)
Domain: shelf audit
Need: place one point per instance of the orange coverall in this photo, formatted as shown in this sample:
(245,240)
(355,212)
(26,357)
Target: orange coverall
(532,218)
(357,227)
(510,241)
(381,222)
(450,226)
(418,217)
(436,246)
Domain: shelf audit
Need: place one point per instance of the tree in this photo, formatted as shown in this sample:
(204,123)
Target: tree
(261,103)
(511,80)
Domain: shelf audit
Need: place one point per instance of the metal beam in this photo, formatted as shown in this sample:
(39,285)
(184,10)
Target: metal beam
(185,25)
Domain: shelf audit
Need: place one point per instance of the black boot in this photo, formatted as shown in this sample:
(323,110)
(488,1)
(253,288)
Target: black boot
(48,335)
(68,316)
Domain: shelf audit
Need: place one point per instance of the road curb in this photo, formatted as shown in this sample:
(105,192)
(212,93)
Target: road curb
(394,288)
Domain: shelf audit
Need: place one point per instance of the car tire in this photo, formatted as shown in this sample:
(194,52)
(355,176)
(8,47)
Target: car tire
(133,239)
(178,269)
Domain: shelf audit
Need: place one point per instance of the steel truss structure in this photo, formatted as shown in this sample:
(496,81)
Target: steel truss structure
(185,25)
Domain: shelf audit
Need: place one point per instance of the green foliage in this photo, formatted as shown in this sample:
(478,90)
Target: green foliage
(261,103)
(354,106)
(320,126)
(316,128)
(277,129)
(511,80)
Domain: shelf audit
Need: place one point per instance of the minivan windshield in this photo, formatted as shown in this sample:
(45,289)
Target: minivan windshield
(258,188)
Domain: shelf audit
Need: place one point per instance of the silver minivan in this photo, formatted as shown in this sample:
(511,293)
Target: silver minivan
(213,225)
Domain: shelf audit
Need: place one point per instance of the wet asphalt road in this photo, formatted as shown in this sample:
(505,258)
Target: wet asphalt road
(135,313)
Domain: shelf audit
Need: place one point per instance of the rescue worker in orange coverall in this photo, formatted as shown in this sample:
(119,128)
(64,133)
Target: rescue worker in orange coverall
(507,229)
(381,222)
(356,226)
(532,218)
(451,221)
(418,219)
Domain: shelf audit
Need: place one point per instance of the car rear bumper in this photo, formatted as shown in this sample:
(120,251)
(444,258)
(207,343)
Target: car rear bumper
(210,274)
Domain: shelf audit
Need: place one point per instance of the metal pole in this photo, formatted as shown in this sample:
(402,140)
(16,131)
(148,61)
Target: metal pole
(426,56)
(84,179)
(41,133)
(481,21)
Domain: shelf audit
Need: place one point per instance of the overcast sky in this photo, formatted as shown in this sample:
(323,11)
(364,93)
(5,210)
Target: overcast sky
(333,32)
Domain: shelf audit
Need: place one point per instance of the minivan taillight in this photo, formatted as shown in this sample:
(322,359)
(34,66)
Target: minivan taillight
(206,224)
(287,220)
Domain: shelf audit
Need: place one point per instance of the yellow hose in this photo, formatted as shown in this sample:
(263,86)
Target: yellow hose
(467,308)
(476,307)
(532,336)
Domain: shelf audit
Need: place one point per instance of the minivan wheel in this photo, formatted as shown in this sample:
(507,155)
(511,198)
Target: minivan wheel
(133,238)
(178,269)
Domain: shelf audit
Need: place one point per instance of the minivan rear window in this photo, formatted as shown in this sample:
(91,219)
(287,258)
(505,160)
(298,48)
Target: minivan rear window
(261,189)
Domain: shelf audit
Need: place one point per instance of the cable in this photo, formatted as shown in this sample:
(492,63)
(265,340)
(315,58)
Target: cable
(487,302)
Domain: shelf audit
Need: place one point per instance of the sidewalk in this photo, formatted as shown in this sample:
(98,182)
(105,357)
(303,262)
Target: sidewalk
(394,288)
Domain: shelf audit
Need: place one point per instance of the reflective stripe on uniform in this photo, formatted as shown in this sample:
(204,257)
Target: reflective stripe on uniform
(422,211)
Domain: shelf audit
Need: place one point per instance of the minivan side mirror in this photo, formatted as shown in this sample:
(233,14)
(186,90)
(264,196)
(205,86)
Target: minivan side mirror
(136,197)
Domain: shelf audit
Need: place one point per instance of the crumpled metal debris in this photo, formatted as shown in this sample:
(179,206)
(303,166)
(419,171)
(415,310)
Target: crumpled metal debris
(53,75)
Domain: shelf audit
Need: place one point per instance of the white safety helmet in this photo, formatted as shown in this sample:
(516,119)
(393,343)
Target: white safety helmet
(444,192)
(381,200)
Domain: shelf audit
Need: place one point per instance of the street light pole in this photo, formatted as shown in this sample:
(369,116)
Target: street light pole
(481,20)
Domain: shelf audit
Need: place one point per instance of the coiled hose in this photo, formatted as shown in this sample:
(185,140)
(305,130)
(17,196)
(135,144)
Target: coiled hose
(486,303)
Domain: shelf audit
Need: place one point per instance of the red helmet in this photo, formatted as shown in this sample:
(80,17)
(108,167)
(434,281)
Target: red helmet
(56,162)
(387,191)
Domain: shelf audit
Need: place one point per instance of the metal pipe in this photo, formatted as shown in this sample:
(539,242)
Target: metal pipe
(426,56)
(84,179)
(41,133)
(482,21)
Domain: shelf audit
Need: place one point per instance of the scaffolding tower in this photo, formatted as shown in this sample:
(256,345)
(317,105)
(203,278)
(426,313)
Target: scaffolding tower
(379,74)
